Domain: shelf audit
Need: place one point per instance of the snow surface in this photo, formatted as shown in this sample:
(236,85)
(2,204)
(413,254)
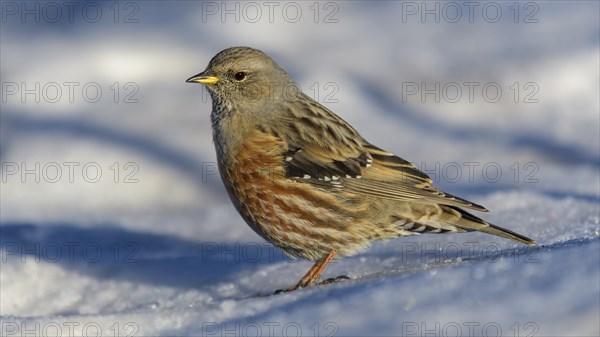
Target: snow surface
(153,247)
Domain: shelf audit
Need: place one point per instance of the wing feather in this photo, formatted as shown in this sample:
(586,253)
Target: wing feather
(326,151)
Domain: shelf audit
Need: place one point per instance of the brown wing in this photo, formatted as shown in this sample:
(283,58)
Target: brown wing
(392,177)
(325,150)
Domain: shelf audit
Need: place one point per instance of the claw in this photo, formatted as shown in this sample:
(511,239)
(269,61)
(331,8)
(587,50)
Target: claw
(334,279)
(322,283)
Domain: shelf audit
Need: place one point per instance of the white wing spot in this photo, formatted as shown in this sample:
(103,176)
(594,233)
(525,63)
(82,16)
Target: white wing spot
(288,158)
(306,176)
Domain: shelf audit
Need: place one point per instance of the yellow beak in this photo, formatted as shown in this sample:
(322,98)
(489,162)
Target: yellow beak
(203,79)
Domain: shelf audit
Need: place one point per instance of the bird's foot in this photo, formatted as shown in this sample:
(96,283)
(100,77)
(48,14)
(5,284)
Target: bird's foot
(333,280)
(297,286)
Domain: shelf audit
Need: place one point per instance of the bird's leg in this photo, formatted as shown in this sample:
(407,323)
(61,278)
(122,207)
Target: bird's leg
(314,273)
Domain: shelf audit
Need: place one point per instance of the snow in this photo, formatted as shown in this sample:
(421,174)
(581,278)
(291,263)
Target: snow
(151,246)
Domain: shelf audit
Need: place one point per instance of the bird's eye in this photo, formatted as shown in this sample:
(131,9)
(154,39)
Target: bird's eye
(239,76)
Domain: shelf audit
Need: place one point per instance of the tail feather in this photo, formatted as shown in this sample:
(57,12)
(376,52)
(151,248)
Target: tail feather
(470,222)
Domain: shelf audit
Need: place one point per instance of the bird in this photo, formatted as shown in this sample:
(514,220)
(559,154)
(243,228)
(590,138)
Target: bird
(306,181)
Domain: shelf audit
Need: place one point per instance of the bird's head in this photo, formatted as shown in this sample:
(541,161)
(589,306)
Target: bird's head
(243,79)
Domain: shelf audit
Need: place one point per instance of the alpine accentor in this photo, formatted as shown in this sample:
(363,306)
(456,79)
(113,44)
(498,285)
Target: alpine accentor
(305,180)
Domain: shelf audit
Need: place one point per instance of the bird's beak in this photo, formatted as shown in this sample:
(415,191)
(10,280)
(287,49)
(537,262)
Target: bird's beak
(203,78)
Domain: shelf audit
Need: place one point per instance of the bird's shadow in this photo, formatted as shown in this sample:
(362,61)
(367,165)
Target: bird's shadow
(111,252)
